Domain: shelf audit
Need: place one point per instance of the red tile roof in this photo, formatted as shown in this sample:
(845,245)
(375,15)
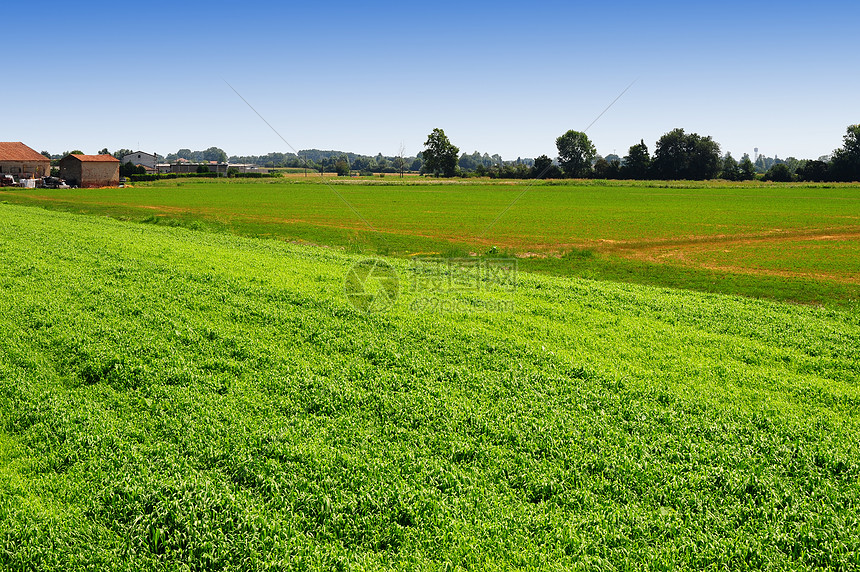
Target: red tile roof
(19,152)
(95,158)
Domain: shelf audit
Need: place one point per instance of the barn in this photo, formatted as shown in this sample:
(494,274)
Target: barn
(89,171)
(24,163)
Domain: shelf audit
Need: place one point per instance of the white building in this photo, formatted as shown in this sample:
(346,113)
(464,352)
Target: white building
(140,158)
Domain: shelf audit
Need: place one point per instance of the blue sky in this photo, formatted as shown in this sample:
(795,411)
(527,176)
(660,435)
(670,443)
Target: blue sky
(501,77)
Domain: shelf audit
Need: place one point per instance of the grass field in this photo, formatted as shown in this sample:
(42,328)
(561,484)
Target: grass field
(798,243)
(173,399)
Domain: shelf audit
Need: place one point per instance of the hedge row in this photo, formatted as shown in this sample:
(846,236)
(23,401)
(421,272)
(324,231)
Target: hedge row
(160,176)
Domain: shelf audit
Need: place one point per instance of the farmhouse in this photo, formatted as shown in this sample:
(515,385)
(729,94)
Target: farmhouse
(24,163)
(140,158)
(88,171)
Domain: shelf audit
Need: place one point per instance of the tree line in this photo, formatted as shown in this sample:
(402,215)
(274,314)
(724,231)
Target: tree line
(678,155)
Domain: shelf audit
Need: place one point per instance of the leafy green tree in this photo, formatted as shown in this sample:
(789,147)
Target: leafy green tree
(119,154)
(184,154)
(104,151)
(671,155)
(46,154)
(607,169)
(779,173)
(601,169)
(575,152)
(215,154)
(845,165)
(637,162)
(747,168)
(467,162)
(127,169)
(614,171)
(680,155)
(731,169)
(544,168)
(440,155)
(341,167)
(541,167)
(814,170)
(794,164)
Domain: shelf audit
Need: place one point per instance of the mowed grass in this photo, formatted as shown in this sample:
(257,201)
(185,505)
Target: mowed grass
(183,400)
(667,234)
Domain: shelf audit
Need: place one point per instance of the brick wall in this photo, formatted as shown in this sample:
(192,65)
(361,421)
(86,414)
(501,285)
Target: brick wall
(19,168)
(99,174)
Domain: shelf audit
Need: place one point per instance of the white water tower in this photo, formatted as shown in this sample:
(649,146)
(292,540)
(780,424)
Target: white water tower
(755,156)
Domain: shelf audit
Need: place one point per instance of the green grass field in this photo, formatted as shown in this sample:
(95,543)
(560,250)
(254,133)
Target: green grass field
(174,399)
(798,243)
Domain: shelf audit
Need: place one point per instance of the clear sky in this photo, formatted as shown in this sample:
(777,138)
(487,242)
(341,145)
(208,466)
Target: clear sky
(501,77)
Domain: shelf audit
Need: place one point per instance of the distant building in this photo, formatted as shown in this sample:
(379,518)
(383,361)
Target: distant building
(247,168)
(89,171)
(24,163)
(212,166)
(140,158)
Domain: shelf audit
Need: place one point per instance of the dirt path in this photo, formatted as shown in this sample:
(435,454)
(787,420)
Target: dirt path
(681,252)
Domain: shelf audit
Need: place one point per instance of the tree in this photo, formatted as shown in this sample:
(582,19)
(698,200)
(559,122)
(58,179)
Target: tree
(845,165)
(778,173)
(542,165)
(601,169)
(747,169)
(575,152)
(813,171)
(215,154)
(606,169)
(731,170)
(440,156)
(544,168)
(104,151)
(794,165)
(637,161)
(46,154)
(680,155)
(467,162)
(614,171)
(400,160)
(127,169)
(341,167)
(119,154)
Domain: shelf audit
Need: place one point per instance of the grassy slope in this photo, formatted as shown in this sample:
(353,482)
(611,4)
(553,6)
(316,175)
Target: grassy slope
(687,235)
(179,397)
